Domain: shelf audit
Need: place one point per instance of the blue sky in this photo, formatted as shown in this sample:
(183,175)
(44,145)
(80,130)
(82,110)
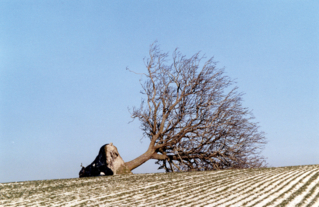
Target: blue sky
(65,90)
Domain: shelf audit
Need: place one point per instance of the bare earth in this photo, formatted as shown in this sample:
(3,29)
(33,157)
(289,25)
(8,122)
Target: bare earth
(283,186)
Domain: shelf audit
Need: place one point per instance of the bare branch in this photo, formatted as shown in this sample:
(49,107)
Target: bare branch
(193,118)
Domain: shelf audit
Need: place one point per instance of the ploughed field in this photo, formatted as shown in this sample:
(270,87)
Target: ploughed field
(282,186)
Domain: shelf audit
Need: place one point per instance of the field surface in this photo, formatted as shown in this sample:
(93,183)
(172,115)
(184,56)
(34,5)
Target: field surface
(283,186)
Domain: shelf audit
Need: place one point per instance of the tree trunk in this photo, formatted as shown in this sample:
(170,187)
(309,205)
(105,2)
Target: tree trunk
(149,154)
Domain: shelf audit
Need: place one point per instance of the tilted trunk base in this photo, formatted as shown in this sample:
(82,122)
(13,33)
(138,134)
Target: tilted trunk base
(123,170)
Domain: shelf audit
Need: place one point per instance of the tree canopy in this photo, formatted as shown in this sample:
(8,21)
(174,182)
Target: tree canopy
(193,116)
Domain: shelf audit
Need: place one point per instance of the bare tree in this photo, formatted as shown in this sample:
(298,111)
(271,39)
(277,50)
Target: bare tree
(192,119)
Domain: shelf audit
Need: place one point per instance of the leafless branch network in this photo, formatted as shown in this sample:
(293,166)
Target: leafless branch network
(194,118)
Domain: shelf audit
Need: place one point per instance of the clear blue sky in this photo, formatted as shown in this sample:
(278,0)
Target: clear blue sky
(64,87)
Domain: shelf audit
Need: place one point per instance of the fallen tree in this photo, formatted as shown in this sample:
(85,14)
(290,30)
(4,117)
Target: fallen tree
(193,117)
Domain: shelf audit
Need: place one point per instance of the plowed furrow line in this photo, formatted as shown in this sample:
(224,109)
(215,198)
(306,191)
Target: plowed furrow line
(212,201)
(175,194)
(166,194)
(223,191)
(297,196)
(314,201)
(123,196)
(150,196)
(136,184)
(116,194)
(198,188)
(310,195)
(276,196)
(195,187)
(288,186)
(220,196)
(266,188)
(242,195)
(220,200)
(219,190)
(265,193)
